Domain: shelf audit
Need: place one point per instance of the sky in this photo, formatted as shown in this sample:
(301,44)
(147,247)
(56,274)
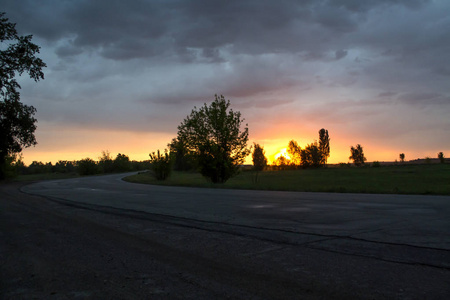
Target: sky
(122,75)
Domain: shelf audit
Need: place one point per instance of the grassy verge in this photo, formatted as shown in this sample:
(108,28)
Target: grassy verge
(400,179)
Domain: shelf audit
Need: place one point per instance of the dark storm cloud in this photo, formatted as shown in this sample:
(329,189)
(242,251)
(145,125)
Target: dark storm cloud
(140,59)
(340,54)
(135,29)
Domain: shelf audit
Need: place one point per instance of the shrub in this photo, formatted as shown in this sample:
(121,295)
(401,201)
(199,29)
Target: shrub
(87,166)
(441,157)
(161,165)
(122,163)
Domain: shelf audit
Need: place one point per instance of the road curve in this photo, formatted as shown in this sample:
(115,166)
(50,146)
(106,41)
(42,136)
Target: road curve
(101,236)
(404,219)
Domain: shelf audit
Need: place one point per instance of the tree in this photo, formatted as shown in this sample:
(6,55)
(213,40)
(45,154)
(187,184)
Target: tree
(259,158)
(311,156)
(324,145)
(87,166)
(357,155)
(122,163)
(161,165)
(282,162)
(17,122)
(212,134)
(184,160)
(402,157)
(294,151)
(441,157)
(106,162)
(64,166)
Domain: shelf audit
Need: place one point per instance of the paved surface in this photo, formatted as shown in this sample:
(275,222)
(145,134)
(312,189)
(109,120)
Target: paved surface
(422,221)
(283,244)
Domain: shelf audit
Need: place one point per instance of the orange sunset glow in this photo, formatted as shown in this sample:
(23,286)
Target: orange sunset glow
(351,70)
(138,145)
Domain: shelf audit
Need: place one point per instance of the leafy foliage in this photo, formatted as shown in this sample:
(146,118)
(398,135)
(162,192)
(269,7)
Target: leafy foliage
(64,166)
(212,135)
(161,164)
(357,155)
(294,151)
(441,157)
(314,155)
(87,166)
(17,122)
(311,156)
(259,158)
(324,145)
(106,162)
(402,157)
(184,159)
(122,163)
(282,162)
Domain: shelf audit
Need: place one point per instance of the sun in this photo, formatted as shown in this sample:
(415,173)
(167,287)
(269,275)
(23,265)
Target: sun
(282,152)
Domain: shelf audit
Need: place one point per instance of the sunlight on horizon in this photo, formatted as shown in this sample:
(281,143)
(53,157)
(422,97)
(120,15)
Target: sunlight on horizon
(282,152)
(138,146)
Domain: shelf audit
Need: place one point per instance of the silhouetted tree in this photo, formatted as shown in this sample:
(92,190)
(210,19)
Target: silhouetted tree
(140,165)
(324,145)
(38,167)
(64,166)
(212,133)
(441,157)
(105,162)
(19,165)
(294,151)
(282,162)
(87,166)
(122,163)
(311,156)
(161,164)
(17,122)
(402,157)
(259,158)
(184,159)
(357,155)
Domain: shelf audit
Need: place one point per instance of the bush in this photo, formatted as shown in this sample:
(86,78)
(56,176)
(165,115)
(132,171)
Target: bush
(161,165)
(87,166)
(122,163)
(64,166)
(441,157)
(376,164)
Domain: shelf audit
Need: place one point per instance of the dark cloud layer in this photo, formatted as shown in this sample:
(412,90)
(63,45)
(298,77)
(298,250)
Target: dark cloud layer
(134,29)
(142,58)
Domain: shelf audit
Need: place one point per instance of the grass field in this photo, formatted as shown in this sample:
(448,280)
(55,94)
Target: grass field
(395,179)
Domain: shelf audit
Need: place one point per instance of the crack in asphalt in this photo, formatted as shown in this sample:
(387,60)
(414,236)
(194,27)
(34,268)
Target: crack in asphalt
(200,224)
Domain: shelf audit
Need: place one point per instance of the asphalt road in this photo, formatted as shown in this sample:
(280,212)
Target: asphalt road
(100,237)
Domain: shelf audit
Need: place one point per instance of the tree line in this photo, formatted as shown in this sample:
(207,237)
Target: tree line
(314,155)
(87,166)
(209,140)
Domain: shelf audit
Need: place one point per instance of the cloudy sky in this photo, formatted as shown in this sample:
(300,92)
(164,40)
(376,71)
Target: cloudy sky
(122,75)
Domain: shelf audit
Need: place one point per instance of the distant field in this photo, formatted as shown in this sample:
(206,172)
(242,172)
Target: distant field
(395,179)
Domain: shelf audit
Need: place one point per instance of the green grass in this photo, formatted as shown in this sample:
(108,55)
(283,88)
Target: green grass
(397,179)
